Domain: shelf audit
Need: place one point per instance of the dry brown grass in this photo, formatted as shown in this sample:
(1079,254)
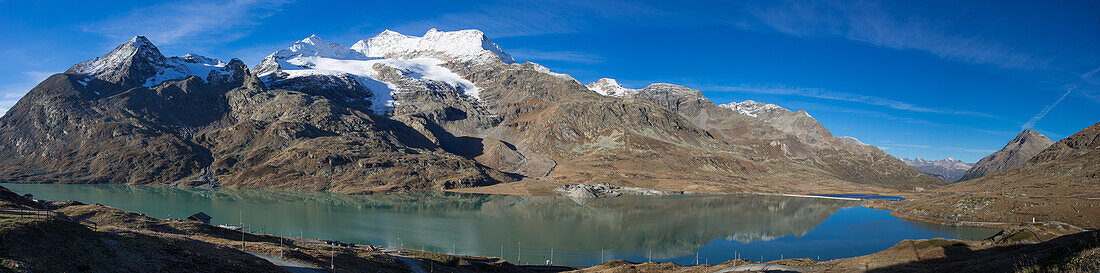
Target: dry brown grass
(1070,253)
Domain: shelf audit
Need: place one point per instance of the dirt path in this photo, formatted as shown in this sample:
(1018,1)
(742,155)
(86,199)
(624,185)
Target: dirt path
(413,264)
(762,268)
(289,265)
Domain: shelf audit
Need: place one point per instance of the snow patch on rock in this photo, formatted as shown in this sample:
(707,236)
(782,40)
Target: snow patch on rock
(850,140)
(610,87)
(543,69)
(751,108)
(181,67)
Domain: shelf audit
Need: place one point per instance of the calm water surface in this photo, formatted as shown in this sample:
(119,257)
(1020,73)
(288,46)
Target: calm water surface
(580,233)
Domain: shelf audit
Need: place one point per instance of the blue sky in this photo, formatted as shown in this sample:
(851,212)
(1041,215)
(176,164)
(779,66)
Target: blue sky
(917,78)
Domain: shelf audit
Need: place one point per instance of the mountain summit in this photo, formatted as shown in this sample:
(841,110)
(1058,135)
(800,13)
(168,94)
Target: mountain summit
(610,87)
(128,64)
(353,74)
(470,45)
(139,62)
(1014,154)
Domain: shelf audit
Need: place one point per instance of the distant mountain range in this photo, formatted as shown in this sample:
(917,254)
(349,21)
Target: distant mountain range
(948,169)
(396,113)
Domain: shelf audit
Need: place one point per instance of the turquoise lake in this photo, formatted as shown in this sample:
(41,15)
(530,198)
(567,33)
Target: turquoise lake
(524,229)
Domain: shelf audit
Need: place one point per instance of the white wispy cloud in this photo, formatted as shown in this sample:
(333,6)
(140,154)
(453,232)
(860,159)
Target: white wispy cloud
(1031,123)
(839,96)
(1087,79)
(1091,76)
(523,54)
(194,22)
(912,145)
(869,22)
(1090,85)
(815,107)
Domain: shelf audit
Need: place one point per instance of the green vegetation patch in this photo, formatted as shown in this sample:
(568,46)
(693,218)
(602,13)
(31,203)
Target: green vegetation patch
(1023,235)
(444,259)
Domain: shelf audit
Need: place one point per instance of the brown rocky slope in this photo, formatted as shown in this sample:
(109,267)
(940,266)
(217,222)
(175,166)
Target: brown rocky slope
(1014,154)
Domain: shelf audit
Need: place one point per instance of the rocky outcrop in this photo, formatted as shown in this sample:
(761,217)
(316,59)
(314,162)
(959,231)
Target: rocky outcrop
(589,191)
(1014,154)
(792,136)
(797,123)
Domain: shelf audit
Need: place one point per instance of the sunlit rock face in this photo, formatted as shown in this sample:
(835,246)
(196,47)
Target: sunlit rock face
(1016,153)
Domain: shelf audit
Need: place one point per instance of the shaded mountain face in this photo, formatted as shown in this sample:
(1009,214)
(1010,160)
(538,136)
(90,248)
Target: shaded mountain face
(1014,154)
(948,169)
(398,113)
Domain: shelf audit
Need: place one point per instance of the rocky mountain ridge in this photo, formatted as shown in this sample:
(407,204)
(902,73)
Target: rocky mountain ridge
(398,113)
(1016,153)
(793,134)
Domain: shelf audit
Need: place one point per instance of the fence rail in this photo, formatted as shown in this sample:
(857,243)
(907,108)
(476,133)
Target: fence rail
(46,213)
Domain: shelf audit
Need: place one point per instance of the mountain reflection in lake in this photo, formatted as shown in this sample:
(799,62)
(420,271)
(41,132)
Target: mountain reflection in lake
(580,233)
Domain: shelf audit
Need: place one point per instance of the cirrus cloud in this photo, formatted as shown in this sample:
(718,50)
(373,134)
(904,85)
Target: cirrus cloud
(869,22)
(192,22)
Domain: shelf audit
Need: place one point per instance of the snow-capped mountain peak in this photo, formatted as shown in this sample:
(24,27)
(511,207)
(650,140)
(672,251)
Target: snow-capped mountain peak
(315,46)
(468,45)
(199,59)
(610,87)
(948,169)
(294,56)
(136,56)
(313,63)
(139,62)
(139,46)
(313,39)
